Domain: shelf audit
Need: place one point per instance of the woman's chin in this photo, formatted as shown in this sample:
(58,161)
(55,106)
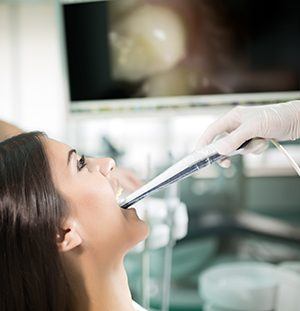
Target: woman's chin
(131,214)
(145,230)
(138,227)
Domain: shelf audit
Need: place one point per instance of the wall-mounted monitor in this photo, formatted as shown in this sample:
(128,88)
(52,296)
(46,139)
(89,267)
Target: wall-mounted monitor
(168,52)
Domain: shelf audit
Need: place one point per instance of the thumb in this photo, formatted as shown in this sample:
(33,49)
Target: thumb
(234,140)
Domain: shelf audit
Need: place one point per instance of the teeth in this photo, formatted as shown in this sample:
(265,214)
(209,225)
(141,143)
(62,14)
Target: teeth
(119,192)
(146,41)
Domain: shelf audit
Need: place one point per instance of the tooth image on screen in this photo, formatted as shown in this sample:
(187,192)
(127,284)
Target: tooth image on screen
(174,82)
(148,40)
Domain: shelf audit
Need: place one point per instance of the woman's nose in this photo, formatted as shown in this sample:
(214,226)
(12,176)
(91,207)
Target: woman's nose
(105,165)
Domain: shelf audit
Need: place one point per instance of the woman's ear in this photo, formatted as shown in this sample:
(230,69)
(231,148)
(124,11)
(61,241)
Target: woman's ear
(68,237)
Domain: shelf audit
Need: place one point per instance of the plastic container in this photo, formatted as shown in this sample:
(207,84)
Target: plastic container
(243,286)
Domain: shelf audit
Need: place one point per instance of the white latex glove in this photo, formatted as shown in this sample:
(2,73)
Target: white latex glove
(127,179)
(279,121)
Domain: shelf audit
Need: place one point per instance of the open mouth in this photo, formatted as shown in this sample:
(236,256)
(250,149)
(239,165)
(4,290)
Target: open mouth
(118,193)
(116,187)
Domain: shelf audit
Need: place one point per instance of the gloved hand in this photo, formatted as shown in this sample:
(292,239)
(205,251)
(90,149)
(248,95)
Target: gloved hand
(279,121)
(127,179)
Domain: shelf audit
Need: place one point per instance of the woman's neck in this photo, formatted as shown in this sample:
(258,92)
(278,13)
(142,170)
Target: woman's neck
(99,287)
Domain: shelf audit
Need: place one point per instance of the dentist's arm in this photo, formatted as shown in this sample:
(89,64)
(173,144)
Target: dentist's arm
(279,121)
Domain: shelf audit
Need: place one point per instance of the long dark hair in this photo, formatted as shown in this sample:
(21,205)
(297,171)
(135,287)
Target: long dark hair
(31,210)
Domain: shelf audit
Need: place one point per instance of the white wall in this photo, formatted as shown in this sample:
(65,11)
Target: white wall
(6,91)
(32,91)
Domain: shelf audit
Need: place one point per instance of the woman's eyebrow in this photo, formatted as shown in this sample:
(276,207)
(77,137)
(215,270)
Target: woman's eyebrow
(70,154)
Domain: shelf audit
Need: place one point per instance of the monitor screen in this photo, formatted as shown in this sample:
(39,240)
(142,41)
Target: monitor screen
(123,49)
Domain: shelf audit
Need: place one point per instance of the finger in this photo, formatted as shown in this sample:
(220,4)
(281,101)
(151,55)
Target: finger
(256,146)
(136,182)
(226,163)
(235,139)
(128,180)
(127,184)
(227,123)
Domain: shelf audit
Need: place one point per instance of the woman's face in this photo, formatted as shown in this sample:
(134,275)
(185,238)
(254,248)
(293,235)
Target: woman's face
(90,191)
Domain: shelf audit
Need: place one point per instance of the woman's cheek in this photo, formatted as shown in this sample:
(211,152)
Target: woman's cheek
(97,186)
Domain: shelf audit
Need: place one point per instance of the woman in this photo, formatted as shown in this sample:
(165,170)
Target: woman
(63,236)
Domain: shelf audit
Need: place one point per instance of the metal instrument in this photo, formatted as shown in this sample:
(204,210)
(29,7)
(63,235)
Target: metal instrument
(179,171)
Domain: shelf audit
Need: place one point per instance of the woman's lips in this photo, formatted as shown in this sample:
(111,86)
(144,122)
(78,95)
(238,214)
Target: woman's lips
(116,187)
(119,192)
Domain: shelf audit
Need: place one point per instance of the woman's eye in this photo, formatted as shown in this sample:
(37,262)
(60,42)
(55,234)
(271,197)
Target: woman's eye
(81,163)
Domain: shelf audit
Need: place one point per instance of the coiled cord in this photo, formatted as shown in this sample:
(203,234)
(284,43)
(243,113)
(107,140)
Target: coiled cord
(290,158)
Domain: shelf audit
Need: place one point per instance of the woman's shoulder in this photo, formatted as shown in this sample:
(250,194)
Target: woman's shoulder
(137,307)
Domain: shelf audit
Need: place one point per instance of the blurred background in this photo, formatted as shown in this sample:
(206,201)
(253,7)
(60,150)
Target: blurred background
(140,80)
